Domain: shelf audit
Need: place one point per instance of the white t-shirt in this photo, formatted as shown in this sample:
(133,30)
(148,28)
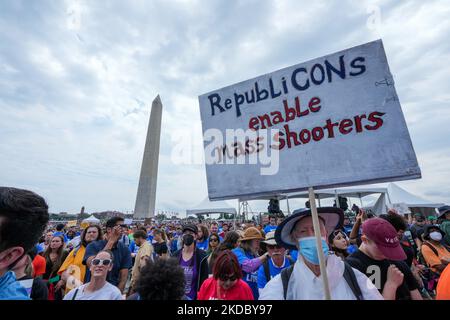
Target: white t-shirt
(107,292)
(304,285)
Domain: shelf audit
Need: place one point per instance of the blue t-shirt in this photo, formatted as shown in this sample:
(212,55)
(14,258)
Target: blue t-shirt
(133,247)
(250,278)
(122,259)
(294,254)
(269,228)
(348,229)
(203,245)
(274,270)
(11,289)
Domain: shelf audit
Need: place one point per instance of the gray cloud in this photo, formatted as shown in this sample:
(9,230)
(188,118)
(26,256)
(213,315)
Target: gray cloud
(77,79)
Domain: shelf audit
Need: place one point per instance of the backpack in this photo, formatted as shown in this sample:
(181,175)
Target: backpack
(267,268)
(349,276)
(429,245)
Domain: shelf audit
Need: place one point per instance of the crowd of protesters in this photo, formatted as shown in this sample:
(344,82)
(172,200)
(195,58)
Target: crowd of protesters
(367,257)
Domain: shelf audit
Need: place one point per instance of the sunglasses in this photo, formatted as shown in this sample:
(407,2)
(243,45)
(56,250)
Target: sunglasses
(104,262)
(215,240)
(226,278)
(339,232)
(269,246)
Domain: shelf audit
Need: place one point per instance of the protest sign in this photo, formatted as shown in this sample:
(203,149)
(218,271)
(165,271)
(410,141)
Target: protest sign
(72,223)
(339,123)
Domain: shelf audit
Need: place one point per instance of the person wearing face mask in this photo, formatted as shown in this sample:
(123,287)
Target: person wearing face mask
(303,280)
(436,255)
(193,261)
(275,264)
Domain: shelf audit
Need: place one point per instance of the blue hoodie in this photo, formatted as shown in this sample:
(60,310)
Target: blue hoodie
(10,288)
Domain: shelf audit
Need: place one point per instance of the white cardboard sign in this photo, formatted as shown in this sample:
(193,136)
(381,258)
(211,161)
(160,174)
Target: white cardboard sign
(339,123)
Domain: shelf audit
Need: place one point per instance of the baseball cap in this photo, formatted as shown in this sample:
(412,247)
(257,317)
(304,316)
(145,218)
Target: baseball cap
(190,227)
(384,235)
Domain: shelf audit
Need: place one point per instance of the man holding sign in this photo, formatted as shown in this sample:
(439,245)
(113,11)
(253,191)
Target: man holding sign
(303,280)
(293,130)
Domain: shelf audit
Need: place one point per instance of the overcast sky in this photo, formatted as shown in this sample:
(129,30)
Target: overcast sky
(77,79)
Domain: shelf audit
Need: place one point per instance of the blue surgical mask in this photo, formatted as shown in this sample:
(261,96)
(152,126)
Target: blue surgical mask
(308,249)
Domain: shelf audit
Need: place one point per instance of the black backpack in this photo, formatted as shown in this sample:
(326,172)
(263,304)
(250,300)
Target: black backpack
(349,276)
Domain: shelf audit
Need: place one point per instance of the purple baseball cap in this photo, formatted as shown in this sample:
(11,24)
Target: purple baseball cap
(385,237)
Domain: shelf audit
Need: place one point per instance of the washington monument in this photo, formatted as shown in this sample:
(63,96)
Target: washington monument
(146,194)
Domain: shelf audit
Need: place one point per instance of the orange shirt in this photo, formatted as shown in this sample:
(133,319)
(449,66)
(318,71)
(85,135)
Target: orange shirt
(431,258)
(38,265)
(443,286)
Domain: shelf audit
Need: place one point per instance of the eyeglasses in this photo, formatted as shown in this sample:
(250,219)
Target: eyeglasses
(226,278)
(104,262)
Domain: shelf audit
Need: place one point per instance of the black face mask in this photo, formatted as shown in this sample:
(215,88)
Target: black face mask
(188,239)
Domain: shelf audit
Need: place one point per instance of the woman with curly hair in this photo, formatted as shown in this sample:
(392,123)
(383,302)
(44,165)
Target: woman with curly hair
(226,282)
(162,279)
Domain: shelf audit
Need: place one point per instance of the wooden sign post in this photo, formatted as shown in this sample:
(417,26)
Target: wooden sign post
(323,268)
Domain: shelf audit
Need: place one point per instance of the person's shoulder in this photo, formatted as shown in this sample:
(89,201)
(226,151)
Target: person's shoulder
(402,266)
(243,285)
(273,289)
(357,260)
(237,251)
(208,282)
(97,244)
(110,287)
(201,253)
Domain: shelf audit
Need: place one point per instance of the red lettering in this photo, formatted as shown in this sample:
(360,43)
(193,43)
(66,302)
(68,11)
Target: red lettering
(267,119)
(277,117)
(358,122)
(253,124)
(314,102)
(289,112)
(304,139)
(298,108)
(345,126)
(330,127)
(317,133)
(375,117)
(290,135)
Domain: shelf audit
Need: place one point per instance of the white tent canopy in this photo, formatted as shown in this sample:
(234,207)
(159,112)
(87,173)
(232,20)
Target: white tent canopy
(91,219)
(208,207)
(400,195)
(390,194)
